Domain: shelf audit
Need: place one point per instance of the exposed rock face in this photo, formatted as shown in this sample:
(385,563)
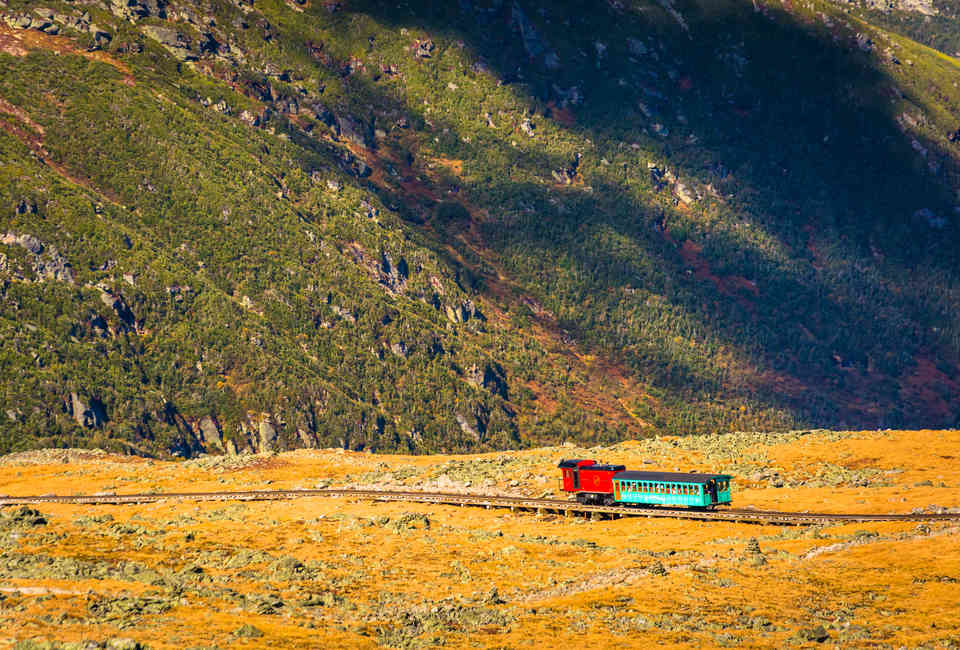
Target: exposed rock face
(86,416)
(567,175)
(46,261)
(393,275)
(685,193)
(173,41)
(533,43)
(210,433)
(490,377)
(475,423)
(120,308)
(134,10)
(353,130)
(53,267)
(307,438)
(43,21)
(29,242)
(463,312)
(925,7)
(268,435)
(423,49)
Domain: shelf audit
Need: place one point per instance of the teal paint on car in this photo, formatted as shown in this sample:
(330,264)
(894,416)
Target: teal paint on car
(671,489)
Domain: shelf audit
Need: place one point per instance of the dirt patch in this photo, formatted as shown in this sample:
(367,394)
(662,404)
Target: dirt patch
(31,134)
(545,402)
(455,166)
(19,42)
(930,389)
(734,286)
(563,116)
(9,44)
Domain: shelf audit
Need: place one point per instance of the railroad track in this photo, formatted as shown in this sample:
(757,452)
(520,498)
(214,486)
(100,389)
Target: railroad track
(542,506)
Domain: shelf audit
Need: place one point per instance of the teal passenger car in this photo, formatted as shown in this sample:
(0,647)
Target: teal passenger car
(671,489)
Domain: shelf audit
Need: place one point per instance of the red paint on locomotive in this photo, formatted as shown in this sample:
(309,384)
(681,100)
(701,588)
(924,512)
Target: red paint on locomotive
(588,477)
(570,470)
(598,479)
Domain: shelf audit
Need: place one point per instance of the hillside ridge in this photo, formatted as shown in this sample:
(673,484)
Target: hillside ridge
(248,226)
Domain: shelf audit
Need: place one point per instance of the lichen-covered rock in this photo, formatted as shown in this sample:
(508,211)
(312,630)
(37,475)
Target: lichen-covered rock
(172,40)
(22,516)
(247,631)
(210,433)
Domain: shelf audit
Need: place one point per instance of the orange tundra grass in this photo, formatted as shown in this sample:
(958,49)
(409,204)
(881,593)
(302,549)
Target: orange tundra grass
(350,573)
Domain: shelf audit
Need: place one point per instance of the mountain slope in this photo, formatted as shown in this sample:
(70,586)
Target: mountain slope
(263,225)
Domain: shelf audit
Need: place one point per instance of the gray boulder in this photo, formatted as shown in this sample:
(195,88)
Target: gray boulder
(210,433)
(28,242)
(90,416)
(423,49)
(173,41)
(268,435)
(134,10)
(354,130)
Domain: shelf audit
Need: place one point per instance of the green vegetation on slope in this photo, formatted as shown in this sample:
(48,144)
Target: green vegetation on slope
(476,225)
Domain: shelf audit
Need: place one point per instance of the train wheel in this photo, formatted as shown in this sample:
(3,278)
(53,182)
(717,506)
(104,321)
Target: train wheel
(608,500)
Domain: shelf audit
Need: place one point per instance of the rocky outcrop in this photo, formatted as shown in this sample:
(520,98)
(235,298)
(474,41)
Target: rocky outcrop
(567,175)
(134,10)
(307,438)
(534,44)
(393,275)
(90,414)
(491,377)
(28,242)
(172,40)
(267,436)
(210,434)
(353,129)
(51,22)
(120,308)
(42,20)
(463,312)
(467,427)
(45,261)
(923,7)
(423,49)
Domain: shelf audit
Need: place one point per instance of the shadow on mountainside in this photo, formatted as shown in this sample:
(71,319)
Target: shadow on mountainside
(716,204)
(784,215)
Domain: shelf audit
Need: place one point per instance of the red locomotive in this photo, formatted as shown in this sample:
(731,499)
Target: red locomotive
(592,483)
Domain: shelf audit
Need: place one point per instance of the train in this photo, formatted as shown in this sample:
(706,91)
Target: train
(595,483)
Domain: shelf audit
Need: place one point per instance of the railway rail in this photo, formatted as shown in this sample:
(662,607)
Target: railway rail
(542,506)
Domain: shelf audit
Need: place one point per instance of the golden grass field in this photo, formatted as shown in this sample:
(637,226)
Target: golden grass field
(333,572)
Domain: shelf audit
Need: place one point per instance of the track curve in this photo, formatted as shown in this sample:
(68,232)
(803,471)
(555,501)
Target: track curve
(559,506)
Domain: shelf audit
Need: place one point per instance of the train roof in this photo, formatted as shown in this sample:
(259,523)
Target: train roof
(669,477)
(570,463)
(603,468)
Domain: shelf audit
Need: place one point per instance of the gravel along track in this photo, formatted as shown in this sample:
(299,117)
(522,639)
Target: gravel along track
(560,506)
